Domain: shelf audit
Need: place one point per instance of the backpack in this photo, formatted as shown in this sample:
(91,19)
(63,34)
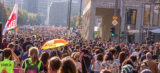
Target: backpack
(31,68)
(4,71)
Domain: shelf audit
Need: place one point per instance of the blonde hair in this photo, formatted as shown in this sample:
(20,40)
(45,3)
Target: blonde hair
(33,53)
(75,56)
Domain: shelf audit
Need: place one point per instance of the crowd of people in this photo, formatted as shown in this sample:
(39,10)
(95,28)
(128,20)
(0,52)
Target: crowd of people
(23,54)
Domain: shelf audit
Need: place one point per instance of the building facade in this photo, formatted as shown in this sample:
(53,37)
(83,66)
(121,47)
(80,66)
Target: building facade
(135,19)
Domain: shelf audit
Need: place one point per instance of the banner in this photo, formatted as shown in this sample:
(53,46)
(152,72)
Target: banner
(12,20)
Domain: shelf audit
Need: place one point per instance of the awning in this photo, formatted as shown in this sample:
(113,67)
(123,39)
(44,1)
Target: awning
(155,30)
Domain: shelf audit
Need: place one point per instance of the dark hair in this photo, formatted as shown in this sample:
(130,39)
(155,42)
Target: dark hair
(133,58)
(108,56)
(122,56)
(10,45)
(113,51)
(68,66)
(100,57)
(127,61)
(55,63)
(44,57)
(7,52)
(97,51)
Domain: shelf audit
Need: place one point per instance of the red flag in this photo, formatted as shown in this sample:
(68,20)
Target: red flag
(12,20)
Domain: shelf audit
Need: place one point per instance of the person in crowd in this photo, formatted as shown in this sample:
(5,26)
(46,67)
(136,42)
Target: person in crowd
(54,65)
(85,61)
(76,57)
(27,43)
(96,67)
(150,63)
(7,65)
(115,55)
(4,43)
(159,67)
(109,63)
(33,64)
(11,46)
(44,58)
(122,56)
(127,66)
(68,66)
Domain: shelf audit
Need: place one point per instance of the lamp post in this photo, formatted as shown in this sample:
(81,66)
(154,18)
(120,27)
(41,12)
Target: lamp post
(80,12)
(69,13)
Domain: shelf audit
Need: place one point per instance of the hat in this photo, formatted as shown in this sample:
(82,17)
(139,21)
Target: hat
(127,69)
(146,71)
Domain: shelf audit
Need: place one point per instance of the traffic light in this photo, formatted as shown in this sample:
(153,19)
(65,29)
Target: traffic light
(112,32)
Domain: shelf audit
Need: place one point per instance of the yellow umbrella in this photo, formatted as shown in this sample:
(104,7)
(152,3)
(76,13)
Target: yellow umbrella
(54,43)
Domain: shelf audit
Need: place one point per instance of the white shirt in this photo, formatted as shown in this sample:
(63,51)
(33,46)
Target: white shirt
(97,66)
(78,64)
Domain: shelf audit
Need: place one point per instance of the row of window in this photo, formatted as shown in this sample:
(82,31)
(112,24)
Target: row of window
(131,15)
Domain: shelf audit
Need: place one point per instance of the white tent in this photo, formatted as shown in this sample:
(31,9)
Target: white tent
(155,30)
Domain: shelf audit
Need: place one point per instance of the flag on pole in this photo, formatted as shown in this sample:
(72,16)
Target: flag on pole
(12,20)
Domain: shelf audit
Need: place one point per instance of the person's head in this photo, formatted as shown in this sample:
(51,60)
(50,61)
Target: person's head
(149,56)
(44,57)
(33,54)
(133,58)
(68,66)
(76,56)
(7,53)
(114,52)
(108,57)
(127,61)
(100,57)
(28,39)
(146,71)
(54,64)
(122,57)
(4,40)
(11,46)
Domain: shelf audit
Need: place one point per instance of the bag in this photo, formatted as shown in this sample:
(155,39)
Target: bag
(4,71)
(31,68)
(31,71)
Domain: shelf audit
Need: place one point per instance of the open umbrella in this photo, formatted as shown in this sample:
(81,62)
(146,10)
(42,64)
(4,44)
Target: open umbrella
(54,43)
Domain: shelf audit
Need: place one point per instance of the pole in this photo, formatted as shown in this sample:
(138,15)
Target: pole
(69,13)
(115,14)
(80,12)
(1,36)
(116,8)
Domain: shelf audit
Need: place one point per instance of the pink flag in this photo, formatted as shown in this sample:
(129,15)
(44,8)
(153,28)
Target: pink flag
(12,20)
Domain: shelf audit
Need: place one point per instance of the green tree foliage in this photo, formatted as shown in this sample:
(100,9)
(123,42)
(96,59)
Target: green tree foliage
(3,15)
(76,21)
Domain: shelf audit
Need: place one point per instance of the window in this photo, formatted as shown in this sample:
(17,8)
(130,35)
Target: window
(131,16)
(155,15)
(147,14)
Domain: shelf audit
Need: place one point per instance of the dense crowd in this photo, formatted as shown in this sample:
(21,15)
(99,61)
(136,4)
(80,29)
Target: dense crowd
(23,54)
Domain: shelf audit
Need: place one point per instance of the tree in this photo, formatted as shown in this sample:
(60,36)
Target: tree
(3,15)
